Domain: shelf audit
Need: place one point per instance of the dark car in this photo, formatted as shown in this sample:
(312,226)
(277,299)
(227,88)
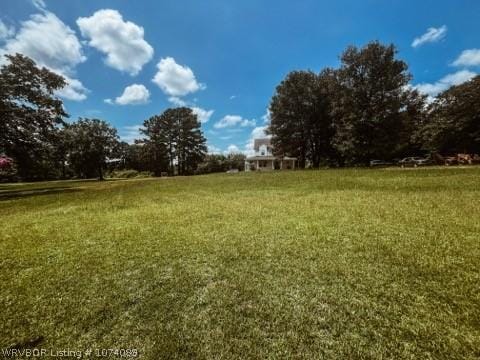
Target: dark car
(379,163)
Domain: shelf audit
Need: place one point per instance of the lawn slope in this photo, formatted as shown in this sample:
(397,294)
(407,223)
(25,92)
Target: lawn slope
(306,264)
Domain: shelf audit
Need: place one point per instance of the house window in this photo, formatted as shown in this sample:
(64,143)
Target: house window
(263,153)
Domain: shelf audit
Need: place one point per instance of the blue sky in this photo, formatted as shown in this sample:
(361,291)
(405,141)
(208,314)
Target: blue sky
(128,60)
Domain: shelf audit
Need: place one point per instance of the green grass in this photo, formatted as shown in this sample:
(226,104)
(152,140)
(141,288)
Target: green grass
(309,264)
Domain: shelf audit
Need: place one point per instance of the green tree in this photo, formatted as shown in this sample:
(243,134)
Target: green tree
(29,111)
(159,144)
(191,144)
(453,122)
(372,103)
(90,142)
(176,140)
(291,109)
(301,122)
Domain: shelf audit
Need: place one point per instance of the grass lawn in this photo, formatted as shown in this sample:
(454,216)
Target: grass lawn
(309,264)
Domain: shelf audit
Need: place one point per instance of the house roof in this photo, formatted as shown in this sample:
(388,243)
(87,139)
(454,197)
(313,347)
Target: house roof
(259,142)
(270,157)
(261,158)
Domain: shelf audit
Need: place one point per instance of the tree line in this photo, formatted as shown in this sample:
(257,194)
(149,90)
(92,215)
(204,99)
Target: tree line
(36,142)
(367,110)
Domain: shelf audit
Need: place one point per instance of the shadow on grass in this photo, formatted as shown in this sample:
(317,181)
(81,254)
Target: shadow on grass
(17,194)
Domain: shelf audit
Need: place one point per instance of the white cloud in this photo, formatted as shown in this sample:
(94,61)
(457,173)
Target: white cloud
(212,149)
(233,149)
(52,44)
(267,117)
(432,89)
(131,133)
(39,4)
(432,35)
(122,41)
(135,94)
(469,57)
(174,79)
(202,114)
(233,120)
(233,97)
(6,31)
(177,101)
(74,90)
(48,41)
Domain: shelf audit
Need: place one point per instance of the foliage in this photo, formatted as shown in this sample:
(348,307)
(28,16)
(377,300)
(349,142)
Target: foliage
(8,169)
(89,142)
(361,111)
(453,124)
(372,103)
(29,113)
(214,163)
(174,141)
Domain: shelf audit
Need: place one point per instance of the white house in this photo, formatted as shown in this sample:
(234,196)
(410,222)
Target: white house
(265,160)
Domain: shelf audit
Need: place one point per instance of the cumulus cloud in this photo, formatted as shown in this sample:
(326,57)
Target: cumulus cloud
(432,35)
(432,89)
(74,90)
(6,31)
(52,44)
(267,117)
(131,133)
(175,79)
(233,149)
(47,40)
(177,101)
(135,94)
(469,57)
(212,149)
(202,114)
(121,41)
(232,121)
(39,4)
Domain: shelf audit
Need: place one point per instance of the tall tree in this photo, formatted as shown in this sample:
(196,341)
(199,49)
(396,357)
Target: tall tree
(159,144)
(453,122)
(191,144)
(372,102)
(29,111)
(175,138)
(301,123)
(90,142)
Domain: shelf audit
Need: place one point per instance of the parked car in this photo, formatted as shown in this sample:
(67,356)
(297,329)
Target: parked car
(410,161)
(379,163)
(451,160)
(424,162)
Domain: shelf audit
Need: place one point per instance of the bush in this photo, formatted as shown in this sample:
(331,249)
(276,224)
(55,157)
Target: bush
(8,170)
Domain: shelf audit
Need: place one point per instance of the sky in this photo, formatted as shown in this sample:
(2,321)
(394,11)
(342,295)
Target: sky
(127,60)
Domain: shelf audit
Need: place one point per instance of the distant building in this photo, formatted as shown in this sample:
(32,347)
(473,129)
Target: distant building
(264,159)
